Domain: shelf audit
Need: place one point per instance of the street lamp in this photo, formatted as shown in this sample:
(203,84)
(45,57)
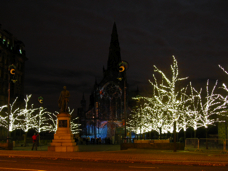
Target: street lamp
(122,67)
(11,77)
(175,127)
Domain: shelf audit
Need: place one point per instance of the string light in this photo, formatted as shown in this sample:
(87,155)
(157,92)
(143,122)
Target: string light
(168,105)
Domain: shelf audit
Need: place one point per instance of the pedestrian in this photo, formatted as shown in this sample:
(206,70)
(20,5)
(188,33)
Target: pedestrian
(34,141)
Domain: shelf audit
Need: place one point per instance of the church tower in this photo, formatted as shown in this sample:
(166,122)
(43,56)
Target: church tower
(114,57)
(106,106)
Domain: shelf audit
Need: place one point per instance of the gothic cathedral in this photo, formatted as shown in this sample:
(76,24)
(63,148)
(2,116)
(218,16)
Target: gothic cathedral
(105,117)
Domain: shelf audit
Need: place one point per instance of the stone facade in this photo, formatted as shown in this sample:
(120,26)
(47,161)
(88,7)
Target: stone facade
(106,107)
(12,51)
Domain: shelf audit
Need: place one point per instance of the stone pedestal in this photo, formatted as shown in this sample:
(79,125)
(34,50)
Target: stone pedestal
(63,139)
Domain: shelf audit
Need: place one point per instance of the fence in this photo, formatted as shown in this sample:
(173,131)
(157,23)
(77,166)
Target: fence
(135,140)
(206,144)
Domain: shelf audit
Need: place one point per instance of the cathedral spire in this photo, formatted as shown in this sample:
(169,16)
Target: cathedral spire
(114,50)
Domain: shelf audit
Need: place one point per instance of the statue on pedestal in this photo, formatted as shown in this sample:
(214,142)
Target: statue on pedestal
(63,100)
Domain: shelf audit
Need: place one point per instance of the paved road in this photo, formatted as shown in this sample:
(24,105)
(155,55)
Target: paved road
(111,153)
(28,164)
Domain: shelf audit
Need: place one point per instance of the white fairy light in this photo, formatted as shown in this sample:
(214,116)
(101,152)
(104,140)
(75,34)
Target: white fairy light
(13,118)
(73,126)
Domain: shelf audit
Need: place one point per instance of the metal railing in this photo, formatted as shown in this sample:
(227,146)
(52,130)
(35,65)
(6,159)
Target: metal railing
(132,140)
(206,144)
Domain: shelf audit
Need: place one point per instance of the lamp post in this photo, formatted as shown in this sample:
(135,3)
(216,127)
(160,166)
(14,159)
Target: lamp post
(122,67)
(8,105)
(175,127)
(11,70)
(175,137)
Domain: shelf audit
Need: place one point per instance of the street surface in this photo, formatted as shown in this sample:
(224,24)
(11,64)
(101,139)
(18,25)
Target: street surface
(45,164)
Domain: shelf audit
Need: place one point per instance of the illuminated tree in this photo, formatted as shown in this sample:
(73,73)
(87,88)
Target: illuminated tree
(28,117)
(136,121)
(211,106)
(167,96)
(192,109)
(166,106)
(74,126)
(43,121)
(224,87)
(13,117)
(2,107)
(172,105)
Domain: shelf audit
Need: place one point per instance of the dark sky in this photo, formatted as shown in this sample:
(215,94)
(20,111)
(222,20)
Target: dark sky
(67,42)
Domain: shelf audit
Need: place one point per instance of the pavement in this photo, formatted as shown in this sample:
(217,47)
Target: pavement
(112,153)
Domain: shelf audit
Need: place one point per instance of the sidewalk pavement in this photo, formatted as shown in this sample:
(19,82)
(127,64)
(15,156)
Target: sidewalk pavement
(112,153)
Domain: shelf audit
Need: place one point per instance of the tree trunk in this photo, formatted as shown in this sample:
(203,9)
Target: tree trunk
(184,135)
(174,138)
(160,129)
(206,138)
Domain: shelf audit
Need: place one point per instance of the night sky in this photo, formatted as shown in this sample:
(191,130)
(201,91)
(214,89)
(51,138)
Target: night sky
(67,42)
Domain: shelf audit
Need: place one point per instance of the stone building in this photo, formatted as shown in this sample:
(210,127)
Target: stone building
(12,51)
(105,116)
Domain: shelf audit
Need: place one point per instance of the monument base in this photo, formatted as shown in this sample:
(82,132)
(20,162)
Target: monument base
(63,139)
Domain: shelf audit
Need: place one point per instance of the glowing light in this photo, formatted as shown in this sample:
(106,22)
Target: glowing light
(170,104)
(40,99)
(12,71)
(121,69)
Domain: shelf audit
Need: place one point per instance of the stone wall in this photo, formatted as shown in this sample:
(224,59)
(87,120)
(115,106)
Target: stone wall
(6,146)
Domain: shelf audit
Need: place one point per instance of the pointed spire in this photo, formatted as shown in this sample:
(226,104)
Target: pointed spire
(114,50)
